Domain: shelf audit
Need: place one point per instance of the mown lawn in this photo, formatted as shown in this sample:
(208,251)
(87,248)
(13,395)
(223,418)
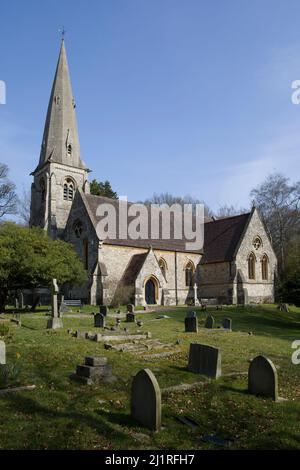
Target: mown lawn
(62,414)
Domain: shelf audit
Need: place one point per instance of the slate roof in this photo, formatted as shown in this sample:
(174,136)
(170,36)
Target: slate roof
(222,236)
(173,244)
(133,268)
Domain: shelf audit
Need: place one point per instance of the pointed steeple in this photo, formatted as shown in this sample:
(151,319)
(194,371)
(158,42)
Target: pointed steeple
(60,139)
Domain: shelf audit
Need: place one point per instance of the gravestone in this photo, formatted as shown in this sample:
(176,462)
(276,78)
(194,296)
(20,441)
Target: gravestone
(146,400)
(227,324)
(99,320)
(130,308)
(205,360)
(262,378)
(191,323)
(210,321)
(104,310)
(94,370)
(130,317)
(2,353)
(191,315)
(55,321)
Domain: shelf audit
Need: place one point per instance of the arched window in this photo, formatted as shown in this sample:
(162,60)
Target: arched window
(85,246)
(265,267)
(163,266)
(189,274)
(43,189)
(251,266)
(77,227)
(68,190)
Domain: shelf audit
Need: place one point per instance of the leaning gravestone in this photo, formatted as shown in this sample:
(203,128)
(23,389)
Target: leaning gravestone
(210,321)
(227,324)
(205,360)
(130,317)
(191,323)
(103,309)
(55,321)
(262,378)
(99,320)
(2,353)
(146,400)
(130,308)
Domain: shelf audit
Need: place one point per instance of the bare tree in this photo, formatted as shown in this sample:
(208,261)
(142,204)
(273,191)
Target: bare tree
(279,203)
(24,207)
(8,197)
(167,198)
(229,211)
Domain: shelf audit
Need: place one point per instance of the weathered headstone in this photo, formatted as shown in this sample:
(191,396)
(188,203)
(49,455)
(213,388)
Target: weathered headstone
(99,320)
(205,360)
(209,322)
(55,321)
(191,323)
(227,324)
(146,400)
(130,317)
(130,308)
(2,353)
(191,314)
(104,310)
(262,378)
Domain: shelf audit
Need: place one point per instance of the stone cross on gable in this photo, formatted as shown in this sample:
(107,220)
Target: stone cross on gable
(54,286)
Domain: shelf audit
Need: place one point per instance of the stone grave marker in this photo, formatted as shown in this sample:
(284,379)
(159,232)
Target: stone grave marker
(191,323)
(94,370)
(209,322)
(262,378)
(130,317)
(146,400)
(205,360)
(227,324)
(2,352)
(99,320)
(55,321)
(104,310)
(130,308)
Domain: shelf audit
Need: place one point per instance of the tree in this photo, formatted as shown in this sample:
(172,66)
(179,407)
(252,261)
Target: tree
(29,258)
(229,211)
(24,207)
(167,198)
(99,188)
(279,203)
(290,288)
(8,197)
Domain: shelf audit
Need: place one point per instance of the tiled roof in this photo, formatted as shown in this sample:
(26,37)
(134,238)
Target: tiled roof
(173,244)
(221,238)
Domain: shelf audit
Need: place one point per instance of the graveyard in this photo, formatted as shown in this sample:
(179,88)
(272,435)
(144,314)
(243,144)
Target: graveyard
(200,408)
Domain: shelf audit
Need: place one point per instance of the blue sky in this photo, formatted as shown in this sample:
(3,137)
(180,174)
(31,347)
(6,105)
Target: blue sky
(185,96)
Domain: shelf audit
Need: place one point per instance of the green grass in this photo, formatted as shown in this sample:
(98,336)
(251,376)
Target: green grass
(62,414)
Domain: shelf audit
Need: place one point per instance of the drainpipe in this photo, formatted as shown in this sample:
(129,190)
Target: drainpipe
(176,295)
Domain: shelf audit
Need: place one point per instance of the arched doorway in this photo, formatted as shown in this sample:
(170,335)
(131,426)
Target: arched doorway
(150,292)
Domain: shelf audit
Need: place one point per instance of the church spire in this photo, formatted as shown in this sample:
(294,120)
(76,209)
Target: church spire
(60,139)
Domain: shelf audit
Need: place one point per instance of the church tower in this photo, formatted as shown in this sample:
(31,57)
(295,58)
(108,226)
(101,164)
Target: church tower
(60,170)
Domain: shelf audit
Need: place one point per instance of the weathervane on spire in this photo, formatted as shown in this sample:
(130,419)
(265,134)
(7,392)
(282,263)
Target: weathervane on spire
(62,32)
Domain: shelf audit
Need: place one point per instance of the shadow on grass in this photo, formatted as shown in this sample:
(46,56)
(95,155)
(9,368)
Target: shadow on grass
(21,404)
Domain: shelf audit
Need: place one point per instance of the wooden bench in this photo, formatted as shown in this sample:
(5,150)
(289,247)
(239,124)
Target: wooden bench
(72,303)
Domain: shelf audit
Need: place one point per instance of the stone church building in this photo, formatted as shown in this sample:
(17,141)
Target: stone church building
(236,265)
